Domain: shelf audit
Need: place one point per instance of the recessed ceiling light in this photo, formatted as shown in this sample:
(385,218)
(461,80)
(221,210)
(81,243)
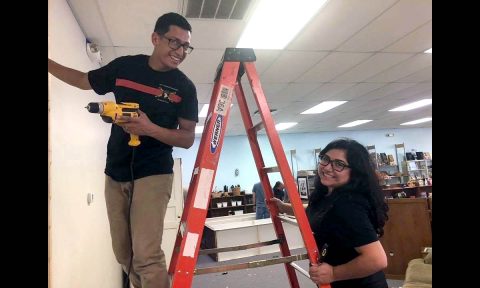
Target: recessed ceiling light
(417,121)
(275,23)
(324,106)
(413,105)
(285,125)
(354,123)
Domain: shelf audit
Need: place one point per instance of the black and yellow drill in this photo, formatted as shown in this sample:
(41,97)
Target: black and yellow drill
(110,111)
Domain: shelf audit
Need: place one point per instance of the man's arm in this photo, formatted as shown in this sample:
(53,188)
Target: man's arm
(181,137)
(68,75)
(141,125)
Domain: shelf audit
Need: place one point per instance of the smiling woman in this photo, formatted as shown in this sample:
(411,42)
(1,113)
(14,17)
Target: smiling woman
(347,213)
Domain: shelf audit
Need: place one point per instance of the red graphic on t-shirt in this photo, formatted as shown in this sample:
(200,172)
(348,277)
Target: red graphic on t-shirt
(157,92)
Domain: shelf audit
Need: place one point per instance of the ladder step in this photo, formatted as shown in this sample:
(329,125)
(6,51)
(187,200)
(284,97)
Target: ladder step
(240,247)
(259,126)
(253,264)
(271,169)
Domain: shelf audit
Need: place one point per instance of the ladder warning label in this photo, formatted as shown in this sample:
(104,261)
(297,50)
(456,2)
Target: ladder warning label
(217,129)
(223,100)
(203,188)
(190,245)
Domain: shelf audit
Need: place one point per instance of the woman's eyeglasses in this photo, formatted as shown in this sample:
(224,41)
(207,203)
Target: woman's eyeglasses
(337,165)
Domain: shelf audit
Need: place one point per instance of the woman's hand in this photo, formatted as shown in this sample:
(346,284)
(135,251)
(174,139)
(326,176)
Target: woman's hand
(279,203)
(321,273)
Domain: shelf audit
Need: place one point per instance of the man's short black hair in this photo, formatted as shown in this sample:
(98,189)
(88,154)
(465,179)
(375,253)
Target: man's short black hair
(163,23)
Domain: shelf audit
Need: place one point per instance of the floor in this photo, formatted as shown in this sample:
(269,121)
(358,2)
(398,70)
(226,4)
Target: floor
(273,276)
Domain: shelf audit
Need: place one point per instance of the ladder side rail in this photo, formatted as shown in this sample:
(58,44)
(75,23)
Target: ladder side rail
(191,186)
(257,155)
(183,267)
(282,163)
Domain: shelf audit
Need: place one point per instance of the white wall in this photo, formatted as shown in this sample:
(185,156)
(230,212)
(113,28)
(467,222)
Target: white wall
(236,152)
(80,253)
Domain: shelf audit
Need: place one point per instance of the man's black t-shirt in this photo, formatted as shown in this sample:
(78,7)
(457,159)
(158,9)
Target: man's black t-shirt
(342,221)
(163,96)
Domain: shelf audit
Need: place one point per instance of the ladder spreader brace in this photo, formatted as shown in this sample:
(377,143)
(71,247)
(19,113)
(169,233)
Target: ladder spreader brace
(235,62)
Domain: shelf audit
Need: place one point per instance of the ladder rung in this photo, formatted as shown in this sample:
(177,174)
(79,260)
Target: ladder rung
(271,169)
(237,248)
(253,264)
(259,126)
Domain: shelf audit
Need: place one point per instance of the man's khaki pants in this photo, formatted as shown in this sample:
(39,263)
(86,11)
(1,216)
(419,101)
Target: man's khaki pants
(149,204)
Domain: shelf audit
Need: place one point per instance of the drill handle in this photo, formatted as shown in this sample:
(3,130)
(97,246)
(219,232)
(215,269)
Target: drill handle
(134,140)
(107,119)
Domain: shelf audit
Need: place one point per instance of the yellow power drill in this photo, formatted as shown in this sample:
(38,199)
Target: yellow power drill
(110,111)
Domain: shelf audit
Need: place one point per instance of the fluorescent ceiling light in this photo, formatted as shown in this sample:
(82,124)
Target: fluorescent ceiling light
(204,111)
(198,129)
(355,123)
(274,23)
(417,121)
(324,106)
(413,105)
(428,51)
(285,125)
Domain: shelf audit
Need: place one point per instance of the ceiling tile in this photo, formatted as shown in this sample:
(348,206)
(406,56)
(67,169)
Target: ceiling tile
(372,66)
(290,65)
(390,26)
(331,66)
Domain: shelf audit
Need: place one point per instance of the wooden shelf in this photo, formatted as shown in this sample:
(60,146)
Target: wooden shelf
(403,188)
(247,206)
(229,207)
(411,192)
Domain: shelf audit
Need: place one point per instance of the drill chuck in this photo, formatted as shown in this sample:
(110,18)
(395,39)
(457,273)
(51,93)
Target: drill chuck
(95,107)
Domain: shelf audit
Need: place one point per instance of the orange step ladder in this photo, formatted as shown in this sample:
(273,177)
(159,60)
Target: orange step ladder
(182,268)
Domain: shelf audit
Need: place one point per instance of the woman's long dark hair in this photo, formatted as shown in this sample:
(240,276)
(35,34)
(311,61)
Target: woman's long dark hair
(363,180)
(277,185)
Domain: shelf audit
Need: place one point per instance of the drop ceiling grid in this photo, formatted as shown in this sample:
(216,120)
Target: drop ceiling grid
(337,22)
(371,66)
(390,26)
(417,41)
(403,69)
(332,66)
(290,65)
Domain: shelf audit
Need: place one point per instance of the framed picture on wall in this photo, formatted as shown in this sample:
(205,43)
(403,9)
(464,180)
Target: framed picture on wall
(302,187)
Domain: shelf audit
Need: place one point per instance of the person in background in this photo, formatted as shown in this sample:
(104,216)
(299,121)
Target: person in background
(286,198)
(261,210)
(347,213)
(167,117)
(279,190)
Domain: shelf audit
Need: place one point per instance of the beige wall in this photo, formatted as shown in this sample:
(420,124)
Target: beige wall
(80,253)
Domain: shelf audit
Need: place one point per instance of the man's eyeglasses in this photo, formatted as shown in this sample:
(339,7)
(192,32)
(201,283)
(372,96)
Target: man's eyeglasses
(175,44)
(337,165)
